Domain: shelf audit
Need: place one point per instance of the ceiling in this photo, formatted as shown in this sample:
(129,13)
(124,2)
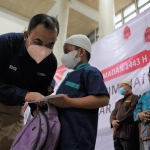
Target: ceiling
(78,22)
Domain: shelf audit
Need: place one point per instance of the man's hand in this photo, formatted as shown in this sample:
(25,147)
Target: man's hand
(144,117)
(115,124)
(39,105)
(62,102)
(30,96)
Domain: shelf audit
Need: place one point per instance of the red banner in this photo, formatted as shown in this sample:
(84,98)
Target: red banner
(59,74)
(128,65)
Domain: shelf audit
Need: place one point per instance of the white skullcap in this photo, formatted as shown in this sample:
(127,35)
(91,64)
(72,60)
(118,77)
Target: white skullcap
(80,41)
(127,82)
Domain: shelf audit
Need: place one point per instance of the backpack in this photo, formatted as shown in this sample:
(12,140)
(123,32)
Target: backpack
(40,133)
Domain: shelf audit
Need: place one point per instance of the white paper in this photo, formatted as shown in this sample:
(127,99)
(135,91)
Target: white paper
(47,97)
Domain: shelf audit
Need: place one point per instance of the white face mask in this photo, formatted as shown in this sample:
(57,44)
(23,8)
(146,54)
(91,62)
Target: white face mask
(38,53)
(69,60)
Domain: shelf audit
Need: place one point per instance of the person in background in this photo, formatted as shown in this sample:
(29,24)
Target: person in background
(27,67)
(85,94)
(126,132)
(142,115)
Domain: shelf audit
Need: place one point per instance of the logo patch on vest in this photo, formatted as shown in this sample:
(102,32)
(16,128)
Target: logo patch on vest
(128,101)
(41,74)
(13,67)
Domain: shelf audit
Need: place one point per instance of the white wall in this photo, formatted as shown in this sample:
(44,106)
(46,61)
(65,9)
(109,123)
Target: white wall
(11,22)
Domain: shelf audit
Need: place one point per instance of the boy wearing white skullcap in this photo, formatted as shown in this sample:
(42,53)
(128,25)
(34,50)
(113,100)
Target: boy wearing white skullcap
(86,92)
(126,132)
(77,45)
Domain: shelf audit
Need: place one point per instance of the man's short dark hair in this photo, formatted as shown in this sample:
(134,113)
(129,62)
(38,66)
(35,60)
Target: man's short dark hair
(88,55)
(48,21)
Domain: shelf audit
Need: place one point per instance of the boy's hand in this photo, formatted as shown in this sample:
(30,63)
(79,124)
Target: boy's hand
(62,102)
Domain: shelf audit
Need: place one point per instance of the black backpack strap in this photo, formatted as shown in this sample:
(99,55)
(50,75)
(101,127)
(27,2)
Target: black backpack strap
(47,128)
(38,134)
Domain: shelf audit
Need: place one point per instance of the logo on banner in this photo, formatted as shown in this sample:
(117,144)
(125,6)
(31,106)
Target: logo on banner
(127,32)
(147,35)
(128,65)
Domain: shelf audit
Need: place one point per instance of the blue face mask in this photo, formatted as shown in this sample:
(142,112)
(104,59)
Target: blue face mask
(122,91)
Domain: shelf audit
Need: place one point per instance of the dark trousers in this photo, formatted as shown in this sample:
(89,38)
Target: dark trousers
(122,144)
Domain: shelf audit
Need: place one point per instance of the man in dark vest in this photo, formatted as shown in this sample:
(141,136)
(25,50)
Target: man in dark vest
(27,67)
(126,132)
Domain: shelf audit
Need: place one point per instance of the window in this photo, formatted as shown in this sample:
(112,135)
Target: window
(130,17)
(143,5)
(144,8)
(118,18)
(118,25)
(129,10)
(142,2)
